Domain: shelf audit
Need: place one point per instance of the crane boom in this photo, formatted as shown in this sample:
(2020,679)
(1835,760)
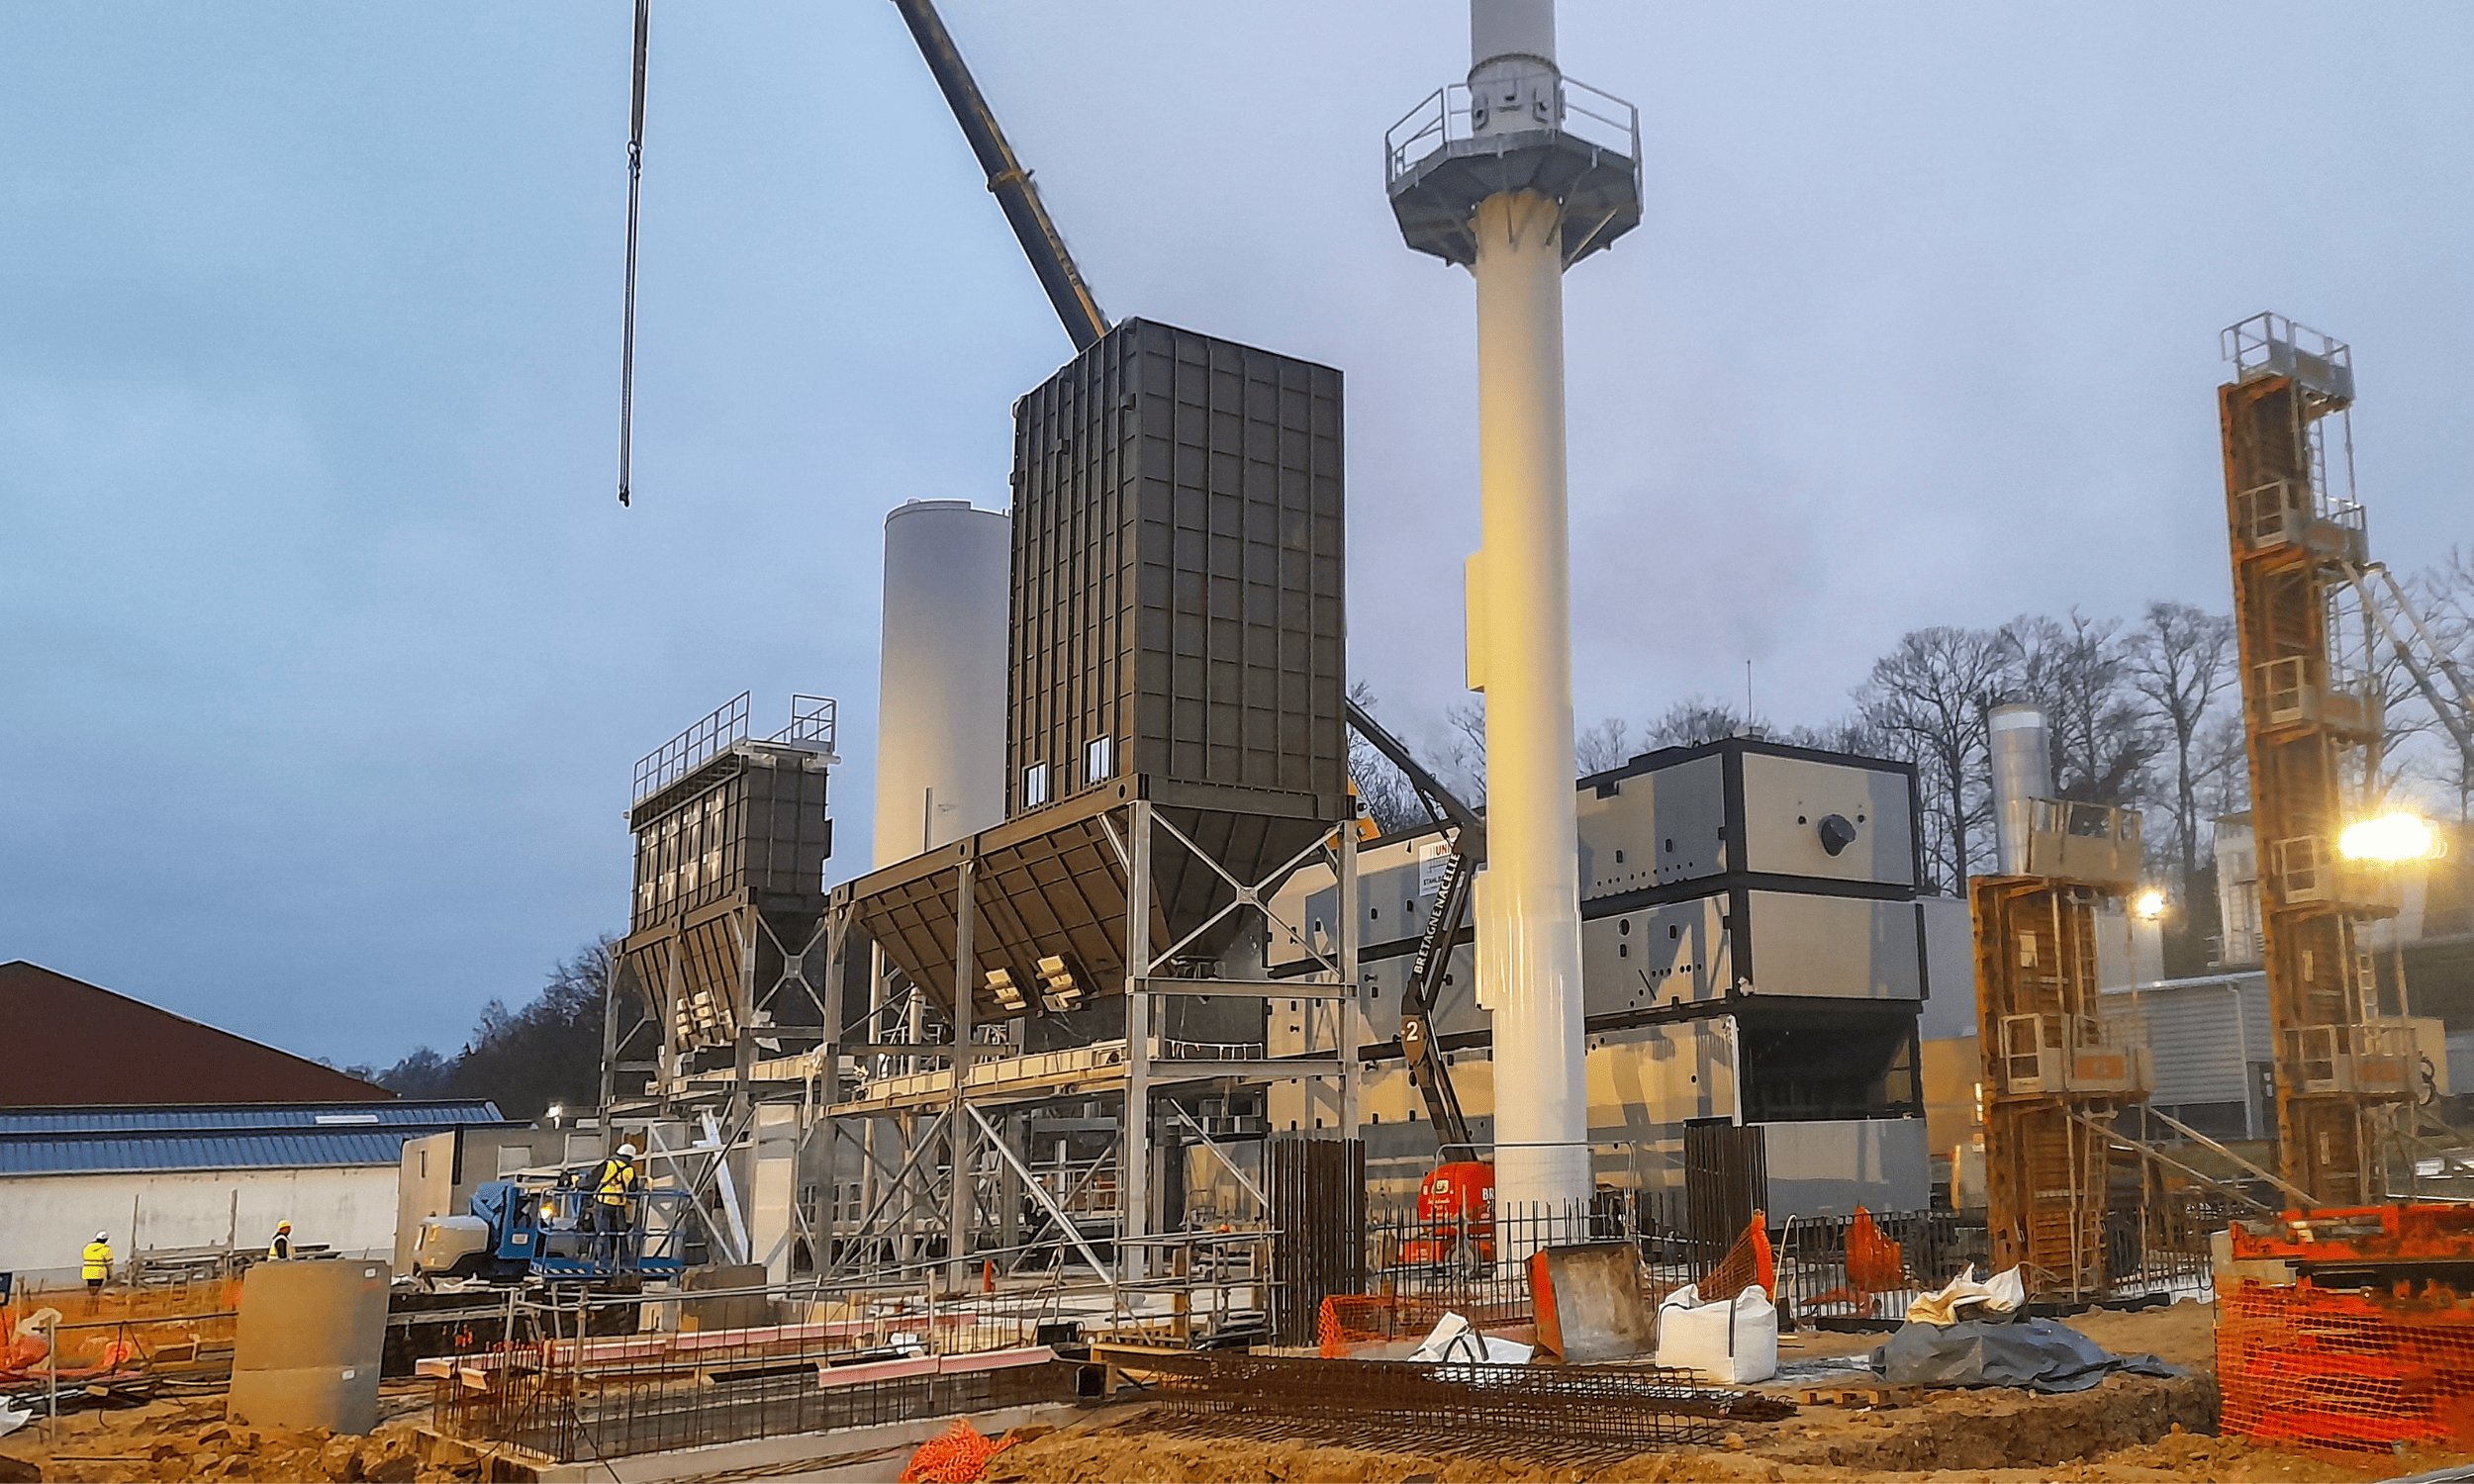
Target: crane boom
(1434,946)
(1008,181)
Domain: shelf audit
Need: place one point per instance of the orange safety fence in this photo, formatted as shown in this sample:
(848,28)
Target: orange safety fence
(102,1332)
(957,1455)
(1748,1262)
(1350,1322)
(2347,1373)
(1875,1265)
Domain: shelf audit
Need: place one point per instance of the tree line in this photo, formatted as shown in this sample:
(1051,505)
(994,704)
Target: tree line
(2142,712)
(547,1053)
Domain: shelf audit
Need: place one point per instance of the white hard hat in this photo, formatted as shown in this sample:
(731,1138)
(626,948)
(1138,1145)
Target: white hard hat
(627,1149)
(102,1235)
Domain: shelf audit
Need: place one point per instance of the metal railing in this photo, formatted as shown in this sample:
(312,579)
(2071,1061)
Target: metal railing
(1520,1409)
(1447,117)
(813,719)
(2270,345)
(2283,511)
(2311,687)
(2162,1249)
(814,722)
(719,729)
(2049,1053)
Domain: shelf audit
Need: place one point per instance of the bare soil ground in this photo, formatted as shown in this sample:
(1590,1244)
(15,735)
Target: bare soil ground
(191,1440)
(2132,1428)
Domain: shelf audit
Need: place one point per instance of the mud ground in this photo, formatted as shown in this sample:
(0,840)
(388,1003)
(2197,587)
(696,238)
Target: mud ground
(2131,1427)
(190,1440)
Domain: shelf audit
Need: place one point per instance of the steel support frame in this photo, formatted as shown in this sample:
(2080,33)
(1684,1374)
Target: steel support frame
(970,1122)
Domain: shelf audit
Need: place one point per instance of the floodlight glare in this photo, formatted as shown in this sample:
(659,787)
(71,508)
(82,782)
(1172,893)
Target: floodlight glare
(2390,837)
(2148,906)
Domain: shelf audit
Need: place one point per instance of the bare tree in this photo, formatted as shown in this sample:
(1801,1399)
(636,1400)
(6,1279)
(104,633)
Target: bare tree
(1384,790)
(1696,720)
(1601,747)
(2181,658)
(2448,592)
(2220,767)
(1849,733)
(548,1052)
(1926,703)
(1467,759)
(2076,670)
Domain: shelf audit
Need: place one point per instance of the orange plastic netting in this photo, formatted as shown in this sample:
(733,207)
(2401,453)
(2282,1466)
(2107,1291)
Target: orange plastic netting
(1874,1264)
(2341,1371)
(957,1455)
(1748,1262)
(1350,1321)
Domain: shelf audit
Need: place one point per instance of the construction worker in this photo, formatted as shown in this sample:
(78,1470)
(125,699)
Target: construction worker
(98,1269)
(613,1190)
(281,1248)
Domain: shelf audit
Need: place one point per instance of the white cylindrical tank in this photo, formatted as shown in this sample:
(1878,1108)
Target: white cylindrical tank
(941,742)
(2023,773)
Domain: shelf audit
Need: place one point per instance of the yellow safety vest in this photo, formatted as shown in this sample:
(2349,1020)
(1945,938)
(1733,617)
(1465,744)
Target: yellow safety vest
(98,1260)
(617,1179)
(280,1248)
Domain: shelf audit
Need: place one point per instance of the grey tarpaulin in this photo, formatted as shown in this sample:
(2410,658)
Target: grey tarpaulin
(2036,1353)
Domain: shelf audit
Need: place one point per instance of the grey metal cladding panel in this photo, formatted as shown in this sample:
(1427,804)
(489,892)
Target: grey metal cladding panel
(1659,827)
(1178,567)
(1837,947)
(786,832)
(2198,1037)
(1786,798)
(1656,956)
(1829,1167)
(1950,1007)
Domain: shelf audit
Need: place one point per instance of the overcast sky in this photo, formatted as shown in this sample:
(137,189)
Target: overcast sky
(324,650)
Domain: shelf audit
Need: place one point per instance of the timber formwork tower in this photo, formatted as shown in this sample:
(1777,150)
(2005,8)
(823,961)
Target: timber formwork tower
(2055,1071)
(2313,718)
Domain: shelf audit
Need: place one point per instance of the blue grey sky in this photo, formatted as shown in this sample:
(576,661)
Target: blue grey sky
(325,651)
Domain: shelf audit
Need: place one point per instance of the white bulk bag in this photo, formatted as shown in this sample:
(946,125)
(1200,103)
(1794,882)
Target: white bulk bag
(1733,1343)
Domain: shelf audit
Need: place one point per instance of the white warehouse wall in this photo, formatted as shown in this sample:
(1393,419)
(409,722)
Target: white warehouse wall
(47,1220)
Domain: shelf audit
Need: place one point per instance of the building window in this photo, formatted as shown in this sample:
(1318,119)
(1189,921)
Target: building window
(1099,759)
(1034,786)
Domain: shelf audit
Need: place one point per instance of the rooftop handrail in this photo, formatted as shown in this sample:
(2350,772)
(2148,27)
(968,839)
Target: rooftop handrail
(813,719)
(721,728)
(1446,117)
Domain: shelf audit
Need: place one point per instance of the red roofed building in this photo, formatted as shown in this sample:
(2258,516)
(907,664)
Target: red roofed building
(71,1043)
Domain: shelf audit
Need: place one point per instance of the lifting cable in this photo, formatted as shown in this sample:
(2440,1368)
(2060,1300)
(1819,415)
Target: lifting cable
(635,177)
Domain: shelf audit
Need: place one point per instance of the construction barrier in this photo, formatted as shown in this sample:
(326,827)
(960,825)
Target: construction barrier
(1747,1263)
(1500,1299)
(1352,1322)
(2346,1372)
(958,1456)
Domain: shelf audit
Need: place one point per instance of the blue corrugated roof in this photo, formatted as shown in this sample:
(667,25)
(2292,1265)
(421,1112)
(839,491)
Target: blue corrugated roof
(194,1118)
(90,1156)
(89,1141)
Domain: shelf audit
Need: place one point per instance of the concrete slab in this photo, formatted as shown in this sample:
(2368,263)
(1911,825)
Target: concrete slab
(853,1455)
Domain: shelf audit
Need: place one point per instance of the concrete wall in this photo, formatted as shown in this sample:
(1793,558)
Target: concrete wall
(1831,1169)
(49,1219)
(1951,1072)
